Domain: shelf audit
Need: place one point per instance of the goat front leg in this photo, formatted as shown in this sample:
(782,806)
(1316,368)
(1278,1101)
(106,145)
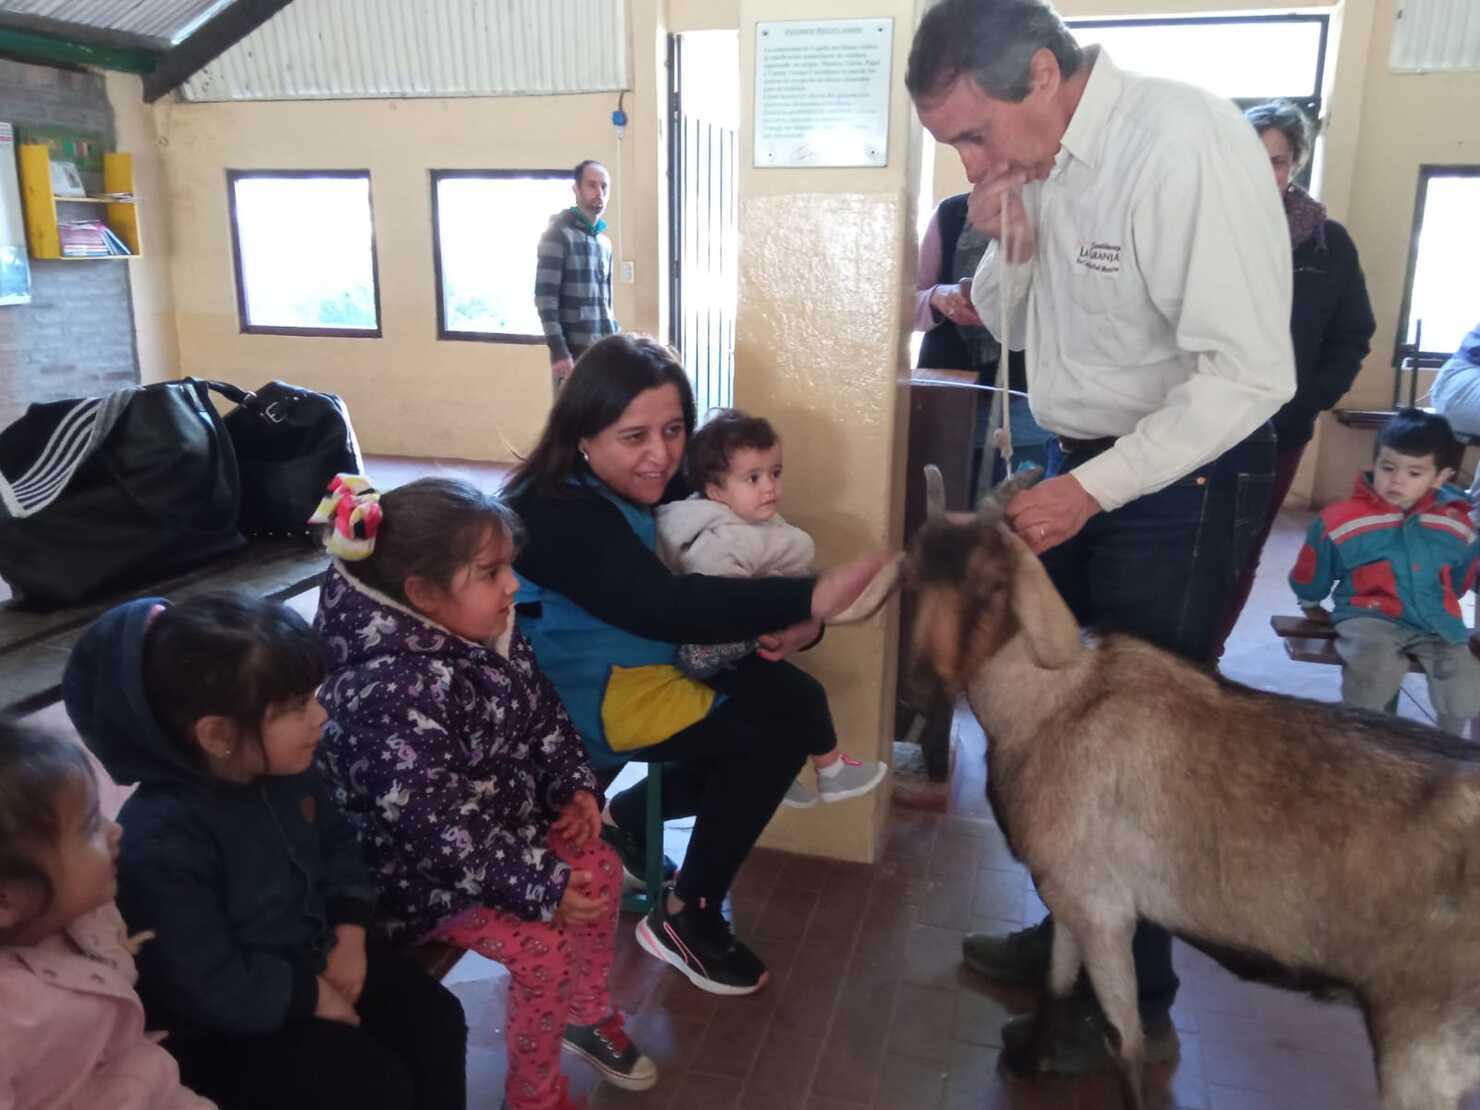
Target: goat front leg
(1112,971)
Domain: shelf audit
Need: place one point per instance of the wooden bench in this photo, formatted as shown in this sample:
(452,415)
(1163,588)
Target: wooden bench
(1308,641)
(35,644)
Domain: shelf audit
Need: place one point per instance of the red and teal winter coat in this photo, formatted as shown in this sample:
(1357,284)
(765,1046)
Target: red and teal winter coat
(1410,568)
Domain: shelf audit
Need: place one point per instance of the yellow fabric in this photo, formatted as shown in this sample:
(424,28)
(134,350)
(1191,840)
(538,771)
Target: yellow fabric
(644,706)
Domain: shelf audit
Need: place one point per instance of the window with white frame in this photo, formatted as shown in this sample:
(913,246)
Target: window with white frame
(1440,302)
(486,228)
(304,247)
(1250,59)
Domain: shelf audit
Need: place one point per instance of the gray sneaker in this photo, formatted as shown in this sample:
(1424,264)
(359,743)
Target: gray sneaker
(853,780)
(799,797)
(1018,959)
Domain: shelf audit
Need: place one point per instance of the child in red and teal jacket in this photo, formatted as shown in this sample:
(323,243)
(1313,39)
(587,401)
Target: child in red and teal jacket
(1400,553)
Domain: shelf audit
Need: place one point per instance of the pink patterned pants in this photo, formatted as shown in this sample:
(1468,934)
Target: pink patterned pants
(558,974)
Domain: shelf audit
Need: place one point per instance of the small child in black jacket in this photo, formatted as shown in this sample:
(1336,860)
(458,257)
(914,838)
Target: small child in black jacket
(235,856)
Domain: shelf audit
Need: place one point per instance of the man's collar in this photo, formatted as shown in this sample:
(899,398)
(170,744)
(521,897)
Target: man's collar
(1084,138)
(597,228)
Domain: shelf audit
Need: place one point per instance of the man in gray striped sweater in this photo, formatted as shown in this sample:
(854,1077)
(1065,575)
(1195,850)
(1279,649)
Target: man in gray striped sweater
(573,285)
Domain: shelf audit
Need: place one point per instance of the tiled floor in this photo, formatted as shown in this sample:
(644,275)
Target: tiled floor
(868,1005)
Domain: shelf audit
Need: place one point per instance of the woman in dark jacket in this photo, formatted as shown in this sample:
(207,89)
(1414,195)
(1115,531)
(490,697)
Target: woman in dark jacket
(606,617)
(1331,322)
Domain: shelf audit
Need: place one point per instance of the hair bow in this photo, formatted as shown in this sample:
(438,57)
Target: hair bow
(352,508)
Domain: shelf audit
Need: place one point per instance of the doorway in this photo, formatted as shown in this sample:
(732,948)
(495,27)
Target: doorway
(704,121)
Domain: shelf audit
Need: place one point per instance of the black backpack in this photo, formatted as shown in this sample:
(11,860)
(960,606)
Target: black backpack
(290,442)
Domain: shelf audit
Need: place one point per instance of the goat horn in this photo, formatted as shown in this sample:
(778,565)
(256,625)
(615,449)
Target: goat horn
(935,491)
(994,503)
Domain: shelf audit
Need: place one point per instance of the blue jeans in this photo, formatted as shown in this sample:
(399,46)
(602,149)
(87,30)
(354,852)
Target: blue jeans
(1163,568)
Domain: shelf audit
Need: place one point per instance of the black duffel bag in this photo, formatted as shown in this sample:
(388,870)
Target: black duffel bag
(290,442)
(107,492)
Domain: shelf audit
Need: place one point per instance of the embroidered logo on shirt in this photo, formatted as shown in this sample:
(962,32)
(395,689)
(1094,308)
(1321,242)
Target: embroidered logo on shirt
(1102,258)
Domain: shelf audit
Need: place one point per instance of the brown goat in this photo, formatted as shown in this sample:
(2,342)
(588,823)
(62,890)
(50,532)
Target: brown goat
(1341,846)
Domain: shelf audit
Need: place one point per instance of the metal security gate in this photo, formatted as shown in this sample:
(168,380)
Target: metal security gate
(704,73)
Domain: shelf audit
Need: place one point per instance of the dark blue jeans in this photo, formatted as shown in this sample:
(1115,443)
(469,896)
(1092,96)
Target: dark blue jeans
(1163,568)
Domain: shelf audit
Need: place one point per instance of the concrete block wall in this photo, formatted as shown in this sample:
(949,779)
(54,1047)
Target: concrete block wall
(76,337)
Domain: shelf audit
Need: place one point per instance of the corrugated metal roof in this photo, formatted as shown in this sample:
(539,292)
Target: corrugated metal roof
(164,21)
(1435,35)
(316,49)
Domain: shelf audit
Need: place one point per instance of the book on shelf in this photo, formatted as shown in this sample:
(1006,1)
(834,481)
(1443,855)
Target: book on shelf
(115,244)
(89,239)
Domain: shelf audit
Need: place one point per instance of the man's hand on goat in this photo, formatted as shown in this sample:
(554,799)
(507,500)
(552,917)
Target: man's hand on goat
(1051,512)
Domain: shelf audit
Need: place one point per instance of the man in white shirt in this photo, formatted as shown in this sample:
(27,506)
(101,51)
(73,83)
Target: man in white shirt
(1148,277)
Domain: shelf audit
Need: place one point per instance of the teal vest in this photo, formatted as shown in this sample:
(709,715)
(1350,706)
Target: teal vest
(578,651)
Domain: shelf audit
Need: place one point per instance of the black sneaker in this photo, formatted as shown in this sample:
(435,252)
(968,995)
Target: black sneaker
(1018,959)
(1078,1043)
(701,944)
(633,854)
(608,1049)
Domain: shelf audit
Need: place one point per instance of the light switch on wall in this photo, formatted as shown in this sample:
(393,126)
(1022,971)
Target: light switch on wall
(629,272)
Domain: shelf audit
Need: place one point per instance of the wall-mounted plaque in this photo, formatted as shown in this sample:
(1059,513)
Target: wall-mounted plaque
(822,92)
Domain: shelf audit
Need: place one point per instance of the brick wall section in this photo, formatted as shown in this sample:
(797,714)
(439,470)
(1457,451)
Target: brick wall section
(76,337)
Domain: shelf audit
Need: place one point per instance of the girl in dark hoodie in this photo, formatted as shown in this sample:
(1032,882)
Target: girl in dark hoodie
(237,859)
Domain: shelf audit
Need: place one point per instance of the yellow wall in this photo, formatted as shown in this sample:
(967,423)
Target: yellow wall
(408,392)
(412,394)
(149,276)
(825,261)
(1408,120)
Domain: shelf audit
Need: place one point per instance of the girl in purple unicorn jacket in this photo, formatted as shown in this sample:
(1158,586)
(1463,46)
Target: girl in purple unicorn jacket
(471,789)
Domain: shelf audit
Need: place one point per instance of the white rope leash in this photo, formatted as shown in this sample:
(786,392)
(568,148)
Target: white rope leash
(1003,357)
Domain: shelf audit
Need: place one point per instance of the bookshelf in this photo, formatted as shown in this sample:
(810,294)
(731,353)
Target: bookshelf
(45,212)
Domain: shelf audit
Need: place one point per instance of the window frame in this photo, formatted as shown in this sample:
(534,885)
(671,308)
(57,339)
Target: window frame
(1310,101)
(248,328)
(1427,171)
(443,332)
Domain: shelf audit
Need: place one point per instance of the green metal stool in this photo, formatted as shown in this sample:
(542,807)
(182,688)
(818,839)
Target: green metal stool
(643,901)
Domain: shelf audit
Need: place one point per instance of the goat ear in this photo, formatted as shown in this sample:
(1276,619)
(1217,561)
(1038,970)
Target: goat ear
(878,591)
(1051,630)
(993,505)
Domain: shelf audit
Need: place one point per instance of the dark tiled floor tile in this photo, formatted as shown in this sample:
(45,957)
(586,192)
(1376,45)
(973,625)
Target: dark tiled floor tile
(946,902)
(851,1057)
(787,914)
(980,1017)
(808,873)
(608,1097)
(956,855)
(712,1092)
(910,1084)
(911,835)
(999,894)
(677,996)
(670,1041)
(734,1035)
(805,1007)
(933,957)
(922,1022)
(782,1074)
(823,1102)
